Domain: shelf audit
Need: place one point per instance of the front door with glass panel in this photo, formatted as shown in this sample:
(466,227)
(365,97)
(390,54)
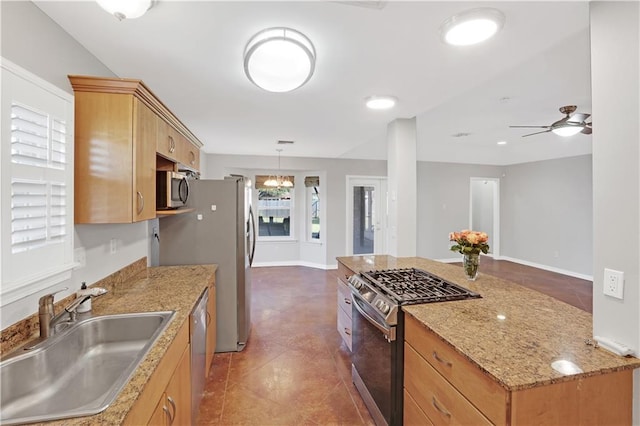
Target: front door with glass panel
(366,216)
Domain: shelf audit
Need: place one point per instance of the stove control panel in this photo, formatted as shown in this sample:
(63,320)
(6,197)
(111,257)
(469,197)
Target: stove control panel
(368,292)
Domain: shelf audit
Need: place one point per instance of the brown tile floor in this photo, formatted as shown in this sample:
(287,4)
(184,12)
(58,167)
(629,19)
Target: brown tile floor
(295,369)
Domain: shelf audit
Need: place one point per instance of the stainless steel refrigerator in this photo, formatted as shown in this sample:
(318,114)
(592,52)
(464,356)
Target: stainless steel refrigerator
(221,230)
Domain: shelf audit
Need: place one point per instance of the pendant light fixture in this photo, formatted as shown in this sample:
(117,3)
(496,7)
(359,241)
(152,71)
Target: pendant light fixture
(279,59)
(278,181)
(126,9)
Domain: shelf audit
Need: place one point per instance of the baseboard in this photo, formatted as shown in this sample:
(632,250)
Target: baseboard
(547,268)
(294,263)
(449,260)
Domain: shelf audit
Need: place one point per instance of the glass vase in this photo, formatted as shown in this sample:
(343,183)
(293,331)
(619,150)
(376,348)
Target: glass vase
(470,262)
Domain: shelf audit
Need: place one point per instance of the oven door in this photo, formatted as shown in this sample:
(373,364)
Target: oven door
(377,363)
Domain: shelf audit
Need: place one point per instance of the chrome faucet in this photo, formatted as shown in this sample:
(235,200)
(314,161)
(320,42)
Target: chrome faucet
(46,312)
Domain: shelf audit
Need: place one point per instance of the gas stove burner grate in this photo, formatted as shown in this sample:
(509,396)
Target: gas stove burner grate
(412,286)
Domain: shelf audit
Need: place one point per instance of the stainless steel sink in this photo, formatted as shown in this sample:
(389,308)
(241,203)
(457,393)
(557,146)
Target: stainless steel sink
(79,371)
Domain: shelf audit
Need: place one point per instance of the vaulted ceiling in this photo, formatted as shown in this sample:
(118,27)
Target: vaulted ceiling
(464,98)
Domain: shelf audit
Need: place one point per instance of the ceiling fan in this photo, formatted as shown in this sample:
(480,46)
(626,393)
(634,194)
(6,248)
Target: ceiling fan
(567,126)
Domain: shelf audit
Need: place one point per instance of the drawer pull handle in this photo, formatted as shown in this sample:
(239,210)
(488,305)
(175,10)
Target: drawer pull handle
(347,331)
(347,301)
(444,412)
(440,360)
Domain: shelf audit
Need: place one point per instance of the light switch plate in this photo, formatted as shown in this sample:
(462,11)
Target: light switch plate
(613,283)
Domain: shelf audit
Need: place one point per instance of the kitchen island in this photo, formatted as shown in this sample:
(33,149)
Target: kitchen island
(165,288)
(514,356)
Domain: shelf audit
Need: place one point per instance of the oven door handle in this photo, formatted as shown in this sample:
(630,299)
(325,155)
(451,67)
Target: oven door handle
(388,332)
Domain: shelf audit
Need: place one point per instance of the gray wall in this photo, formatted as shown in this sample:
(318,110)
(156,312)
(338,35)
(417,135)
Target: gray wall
(443,204)
(33,41)
(218,166)
(546,210)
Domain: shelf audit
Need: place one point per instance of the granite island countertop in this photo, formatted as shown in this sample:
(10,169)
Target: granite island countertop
(512,333)
(163,288)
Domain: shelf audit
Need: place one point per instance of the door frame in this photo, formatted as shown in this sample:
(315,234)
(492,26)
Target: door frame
(380,236)
(495,243)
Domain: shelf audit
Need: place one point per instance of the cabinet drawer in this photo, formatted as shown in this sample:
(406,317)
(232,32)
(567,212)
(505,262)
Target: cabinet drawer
(412,415)
(440,401)
(344,327)
(344,298)
(483,392)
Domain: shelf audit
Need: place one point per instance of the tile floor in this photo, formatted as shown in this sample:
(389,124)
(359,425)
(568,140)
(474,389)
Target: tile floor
(295,369)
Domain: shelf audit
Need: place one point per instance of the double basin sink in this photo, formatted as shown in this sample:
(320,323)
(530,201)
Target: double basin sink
(79,371)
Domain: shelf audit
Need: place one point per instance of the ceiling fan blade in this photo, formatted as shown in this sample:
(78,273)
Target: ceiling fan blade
(536,133)
(534,127)
(587,130)
(578,117)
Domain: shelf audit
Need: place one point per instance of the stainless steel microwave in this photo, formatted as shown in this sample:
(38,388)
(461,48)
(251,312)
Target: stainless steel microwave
(172,190)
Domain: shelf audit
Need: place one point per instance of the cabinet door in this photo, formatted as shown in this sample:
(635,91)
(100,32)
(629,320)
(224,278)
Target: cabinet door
(145,134)
(103,155)
(160,416)
(167,144)
(178,392)
(189,154)
(211,329)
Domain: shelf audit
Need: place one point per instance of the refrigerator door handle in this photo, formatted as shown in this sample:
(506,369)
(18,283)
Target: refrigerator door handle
(253,235)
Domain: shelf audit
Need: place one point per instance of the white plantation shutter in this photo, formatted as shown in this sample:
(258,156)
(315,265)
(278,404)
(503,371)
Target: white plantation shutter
(36,184)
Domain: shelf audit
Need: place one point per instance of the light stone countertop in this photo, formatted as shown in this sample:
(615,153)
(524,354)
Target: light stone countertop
(163,288)
(516,351)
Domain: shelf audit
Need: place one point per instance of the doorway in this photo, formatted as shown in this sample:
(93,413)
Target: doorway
(484,210)
(366,215)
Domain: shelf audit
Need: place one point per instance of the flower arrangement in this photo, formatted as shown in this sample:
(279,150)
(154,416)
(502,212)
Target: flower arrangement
(469,242)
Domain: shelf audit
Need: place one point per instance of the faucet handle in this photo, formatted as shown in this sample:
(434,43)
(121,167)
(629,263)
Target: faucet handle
(47,299)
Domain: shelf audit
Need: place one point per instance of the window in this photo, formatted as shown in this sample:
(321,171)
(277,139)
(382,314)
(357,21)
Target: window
(37,189)
(275,207)
(312,184)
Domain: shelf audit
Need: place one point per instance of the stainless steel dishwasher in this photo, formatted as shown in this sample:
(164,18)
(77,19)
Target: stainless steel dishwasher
(198,332)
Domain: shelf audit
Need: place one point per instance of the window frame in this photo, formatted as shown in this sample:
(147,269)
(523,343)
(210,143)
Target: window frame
(292,221)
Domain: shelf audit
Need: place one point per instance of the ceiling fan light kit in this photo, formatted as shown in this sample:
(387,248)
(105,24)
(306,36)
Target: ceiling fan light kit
(472,27)
(570,125)
(381,102)
(279,59)
(126,9)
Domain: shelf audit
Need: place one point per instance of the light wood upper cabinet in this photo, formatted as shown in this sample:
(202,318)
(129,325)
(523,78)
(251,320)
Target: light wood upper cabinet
(119,127)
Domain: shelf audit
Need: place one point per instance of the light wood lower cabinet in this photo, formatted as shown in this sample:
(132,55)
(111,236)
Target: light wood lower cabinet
(448,389)
(174,409)
(344,312)
(211,329)
(171,379)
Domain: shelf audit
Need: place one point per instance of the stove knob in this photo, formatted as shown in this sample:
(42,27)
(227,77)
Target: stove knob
(383,307)
(355,282)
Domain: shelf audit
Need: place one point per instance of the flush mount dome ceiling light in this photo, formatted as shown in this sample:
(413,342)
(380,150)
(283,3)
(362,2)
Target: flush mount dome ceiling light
(126,9)
(472,27)
(279,59)
(381,102)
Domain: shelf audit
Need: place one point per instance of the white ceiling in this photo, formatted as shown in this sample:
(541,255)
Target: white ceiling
(190,55)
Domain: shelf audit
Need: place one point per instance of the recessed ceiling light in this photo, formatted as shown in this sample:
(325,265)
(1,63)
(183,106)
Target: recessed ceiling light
(380,102)
(502,142)
(471,27)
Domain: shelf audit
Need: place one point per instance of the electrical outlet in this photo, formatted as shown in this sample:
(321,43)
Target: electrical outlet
(113,246)
(613,283)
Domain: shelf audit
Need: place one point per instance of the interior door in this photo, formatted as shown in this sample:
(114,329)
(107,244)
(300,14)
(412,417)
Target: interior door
(366,221)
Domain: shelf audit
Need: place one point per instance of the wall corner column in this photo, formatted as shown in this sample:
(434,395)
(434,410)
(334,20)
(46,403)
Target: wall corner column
(402,187)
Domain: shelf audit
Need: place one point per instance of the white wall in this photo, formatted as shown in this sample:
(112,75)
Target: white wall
(615,71)
(546,211)
(31,40)
(334,187)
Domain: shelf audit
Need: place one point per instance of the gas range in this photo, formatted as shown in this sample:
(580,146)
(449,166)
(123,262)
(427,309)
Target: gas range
(387,290)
